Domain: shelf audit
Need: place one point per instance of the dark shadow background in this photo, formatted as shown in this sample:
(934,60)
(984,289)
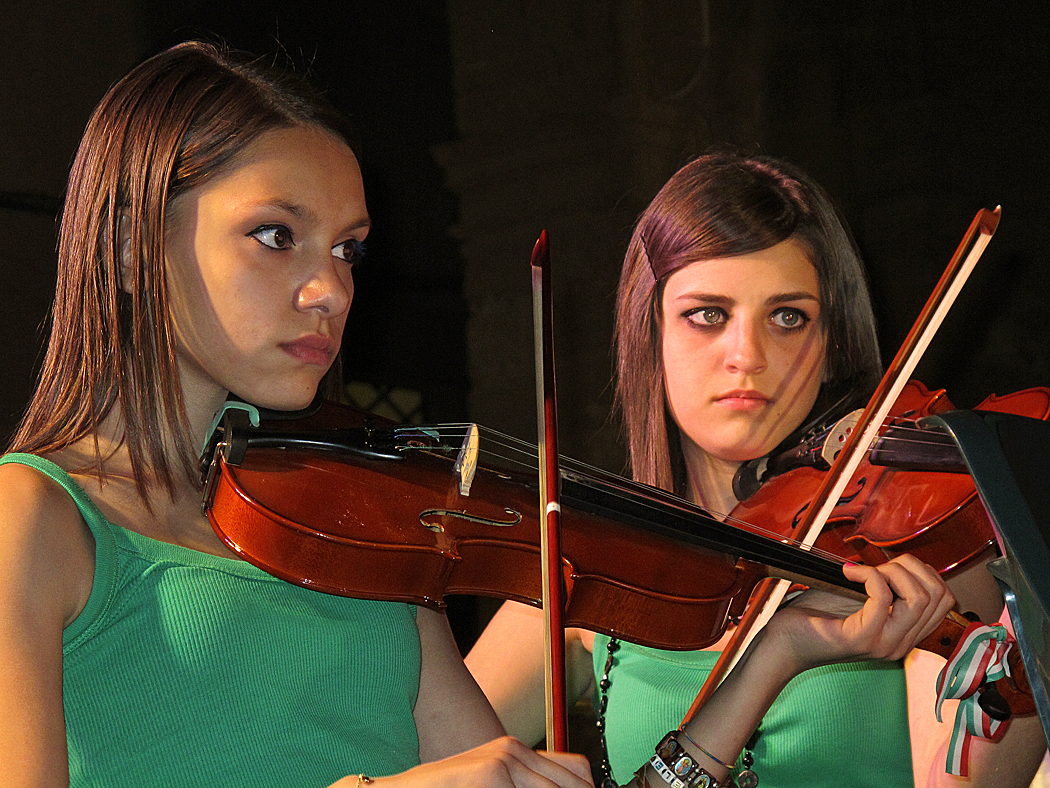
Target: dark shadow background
(483,123)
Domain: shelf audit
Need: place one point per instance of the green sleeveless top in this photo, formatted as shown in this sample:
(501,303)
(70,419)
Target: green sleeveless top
(186,669)
(831,726)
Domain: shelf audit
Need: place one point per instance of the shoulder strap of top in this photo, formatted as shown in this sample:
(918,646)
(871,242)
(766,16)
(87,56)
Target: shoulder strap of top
(102,531)
(88,510)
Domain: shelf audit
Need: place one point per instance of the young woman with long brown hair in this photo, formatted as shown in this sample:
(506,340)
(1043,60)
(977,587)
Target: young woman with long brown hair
(742,315)
(214,214)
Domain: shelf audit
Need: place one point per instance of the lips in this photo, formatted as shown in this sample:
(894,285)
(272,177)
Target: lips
(743,398)
(311,349)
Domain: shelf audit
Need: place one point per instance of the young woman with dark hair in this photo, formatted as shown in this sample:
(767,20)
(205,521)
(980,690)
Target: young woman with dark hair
(743,314)
(214,213)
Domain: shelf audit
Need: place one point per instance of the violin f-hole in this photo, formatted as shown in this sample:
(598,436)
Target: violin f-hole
(861,483)
(462,515)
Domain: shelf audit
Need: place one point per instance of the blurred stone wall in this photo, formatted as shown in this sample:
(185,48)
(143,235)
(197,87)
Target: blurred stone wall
(55,66)
(485,123)
(571,116)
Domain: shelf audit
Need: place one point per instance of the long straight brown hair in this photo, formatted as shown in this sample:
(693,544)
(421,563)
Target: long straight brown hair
(176,120)
(724,205)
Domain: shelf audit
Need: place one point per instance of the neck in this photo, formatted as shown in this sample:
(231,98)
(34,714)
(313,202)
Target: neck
(202,400)
(710,481)
(171,516)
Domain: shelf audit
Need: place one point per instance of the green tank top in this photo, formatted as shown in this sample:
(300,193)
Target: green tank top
(835,726)
(187,669)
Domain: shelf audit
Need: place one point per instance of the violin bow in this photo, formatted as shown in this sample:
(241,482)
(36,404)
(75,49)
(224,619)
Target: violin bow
(550,503)
(770,592)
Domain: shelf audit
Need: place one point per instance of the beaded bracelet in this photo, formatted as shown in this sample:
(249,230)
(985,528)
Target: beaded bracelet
(678,768)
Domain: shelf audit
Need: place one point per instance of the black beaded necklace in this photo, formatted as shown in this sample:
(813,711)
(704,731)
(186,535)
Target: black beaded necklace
(603,702)
(746,778)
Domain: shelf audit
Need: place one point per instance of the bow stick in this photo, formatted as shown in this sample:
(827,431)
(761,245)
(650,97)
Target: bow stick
(770,593)
(550,506)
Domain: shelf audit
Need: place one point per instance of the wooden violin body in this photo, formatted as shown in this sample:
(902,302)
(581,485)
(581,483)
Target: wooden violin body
(393,522)
(389,515)
(886,510)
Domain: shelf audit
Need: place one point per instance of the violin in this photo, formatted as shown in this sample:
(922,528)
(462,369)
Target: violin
(343,503)
(350,506)
(911,493)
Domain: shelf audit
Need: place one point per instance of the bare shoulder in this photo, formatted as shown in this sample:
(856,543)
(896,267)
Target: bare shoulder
(46,547)
(47,555)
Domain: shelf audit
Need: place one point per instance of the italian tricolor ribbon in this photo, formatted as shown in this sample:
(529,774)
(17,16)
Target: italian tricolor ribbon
(980,656)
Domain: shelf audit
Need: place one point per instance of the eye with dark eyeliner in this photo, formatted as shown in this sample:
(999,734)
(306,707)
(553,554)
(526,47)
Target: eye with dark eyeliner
(706,316)
(790,319)
(351,250)
(274,236)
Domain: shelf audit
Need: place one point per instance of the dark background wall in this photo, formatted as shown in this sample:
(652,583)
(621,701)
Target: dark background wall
(485,122)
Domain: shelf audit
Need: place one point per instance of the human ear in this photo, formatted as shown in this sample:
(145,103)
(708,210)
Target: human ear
(124,253)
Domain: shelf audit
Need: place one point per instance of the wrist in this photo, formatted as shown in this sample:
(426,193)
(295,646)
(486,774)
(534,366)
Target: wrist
(718,767)
(772,660)
(675,766)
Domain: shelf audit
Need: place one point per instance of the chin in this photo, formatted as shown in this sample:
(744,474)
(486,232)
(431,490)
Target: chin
(742,452)
(293,398)
(737,456)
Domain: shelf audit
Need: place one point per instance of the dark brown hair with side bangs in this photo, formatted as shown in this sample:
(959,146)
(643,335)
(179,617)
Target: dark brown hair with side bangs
(176,120)
(724,205)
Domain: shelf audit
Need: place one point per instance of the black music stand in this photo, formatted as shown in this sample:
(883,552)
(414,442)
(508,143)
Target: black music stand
(1009,460)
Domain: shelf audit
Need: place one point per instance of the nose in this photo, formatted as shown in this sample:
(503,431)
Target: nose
(329,289)
(745,348)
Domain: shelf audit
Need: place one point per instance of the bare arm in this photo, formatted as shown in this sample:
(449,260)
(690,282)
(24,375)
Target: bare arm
(447,693)
(48,559)
(1010,762)
(461,741)
(507,662)
(816,630)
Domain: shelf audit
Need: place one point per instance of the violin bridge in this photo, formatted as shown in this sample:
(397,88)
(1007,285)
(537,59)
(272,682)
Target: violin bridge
(838,435)
(467,460)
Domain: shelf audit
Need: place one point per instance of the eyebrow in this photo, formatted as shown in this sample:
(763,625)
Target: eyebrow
(719,299)
(784,298)
(301,211)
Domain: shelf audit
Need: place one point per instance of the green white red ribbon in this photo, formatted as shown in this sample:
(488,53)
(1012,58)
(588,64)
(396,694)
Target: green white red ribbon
(980,656)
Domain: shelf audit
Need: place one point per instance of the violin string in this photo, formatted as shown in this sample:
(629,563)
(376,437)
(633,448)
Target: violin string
(926,440)
(912,426)
(460,429)
(774,536)
(510,453)
(524,455)
(517,452)
(812,549)
(905,432)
